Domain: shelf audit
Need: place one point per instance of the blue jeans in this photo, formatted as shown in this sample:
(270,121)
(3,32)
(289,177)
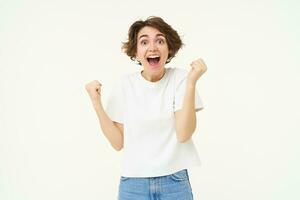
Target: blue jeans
(174,186)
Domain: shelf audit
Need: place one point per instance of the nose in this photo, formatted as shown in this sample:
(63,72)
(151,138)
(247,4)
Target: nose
(152,46)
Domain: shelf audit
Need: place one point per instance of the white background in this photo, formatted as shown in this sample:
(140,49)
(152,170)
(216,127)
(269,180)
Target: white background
(51,144)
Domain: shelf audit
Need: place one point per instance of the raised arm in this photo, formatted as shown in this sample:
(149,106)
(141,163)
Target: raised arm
(113,131)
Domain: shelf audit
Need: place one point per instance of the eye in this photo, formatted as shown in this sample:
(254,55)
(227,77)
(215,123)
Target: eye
(143,42)
(161,41)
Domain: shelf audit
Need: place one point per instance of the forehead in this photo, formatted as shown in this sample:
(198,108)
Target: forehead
(149,31)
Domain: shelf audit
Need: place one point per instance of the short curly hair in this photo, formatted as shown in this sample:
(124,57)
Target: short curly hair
(173,39)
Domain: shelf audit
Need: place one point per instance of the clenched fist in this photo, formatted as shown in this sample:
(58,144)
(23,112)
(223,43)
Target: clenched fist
(198,68)
(94,90)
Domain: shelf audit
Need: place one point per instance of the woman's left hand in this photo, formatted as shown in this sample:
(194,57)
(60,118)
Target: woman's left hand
(198,68)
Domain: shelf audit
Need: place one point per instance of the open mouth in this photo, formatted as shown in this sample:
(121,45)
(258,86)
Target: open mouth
(153,60)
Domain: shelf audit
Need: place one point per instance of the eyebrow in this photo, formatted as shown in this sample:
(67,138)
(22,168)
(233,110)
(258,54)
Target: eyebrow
(145,35)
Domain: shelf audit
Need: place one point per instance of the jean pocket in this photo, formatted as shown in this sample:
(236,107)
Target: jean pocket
(180,175)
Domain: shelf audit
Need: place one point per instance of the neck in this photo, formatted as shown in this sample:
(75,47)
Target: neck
(154,77)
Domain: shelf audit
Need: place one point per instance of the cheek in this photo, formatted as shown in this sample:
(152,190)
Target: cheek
(140,50)
(165,51)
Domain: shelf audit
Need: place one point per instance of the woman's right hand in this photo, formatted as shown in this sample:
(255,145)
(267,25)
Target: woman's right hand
(94,90)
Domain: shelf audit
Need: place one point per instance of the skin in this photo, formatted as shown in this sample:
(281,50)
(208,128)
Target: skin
(150,41)
(185,118)
(113,131)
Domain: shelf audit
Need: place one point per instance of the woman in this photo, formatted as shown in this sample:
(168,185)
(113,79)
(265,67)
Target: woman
(151,115)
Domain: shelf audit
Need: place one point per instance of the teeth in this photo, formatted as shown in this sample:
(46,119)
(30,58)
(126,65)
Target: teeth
(153,56)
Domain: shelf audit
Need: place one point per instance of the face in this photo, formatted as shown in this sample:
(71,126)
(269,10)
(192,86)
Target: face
(152,49)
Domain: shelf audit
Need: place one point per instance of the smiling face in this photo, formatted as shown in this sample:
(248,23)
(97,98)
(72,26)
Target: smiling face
(152,49)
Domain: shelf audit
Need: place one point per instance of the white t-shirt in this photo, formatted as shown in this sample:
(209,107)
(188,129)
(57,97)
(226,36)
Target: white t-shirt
(146,110)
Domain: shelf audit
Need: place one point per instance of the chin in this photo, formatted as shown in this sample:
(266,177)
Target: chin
(155,69)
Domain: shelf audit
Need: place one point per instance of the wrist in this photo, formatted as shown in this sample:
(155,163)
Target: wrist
(191,84)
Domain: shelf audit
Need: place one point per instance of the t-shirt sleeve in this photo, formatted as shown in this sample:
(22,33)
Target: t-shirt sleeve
(180,88)
(115,104)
